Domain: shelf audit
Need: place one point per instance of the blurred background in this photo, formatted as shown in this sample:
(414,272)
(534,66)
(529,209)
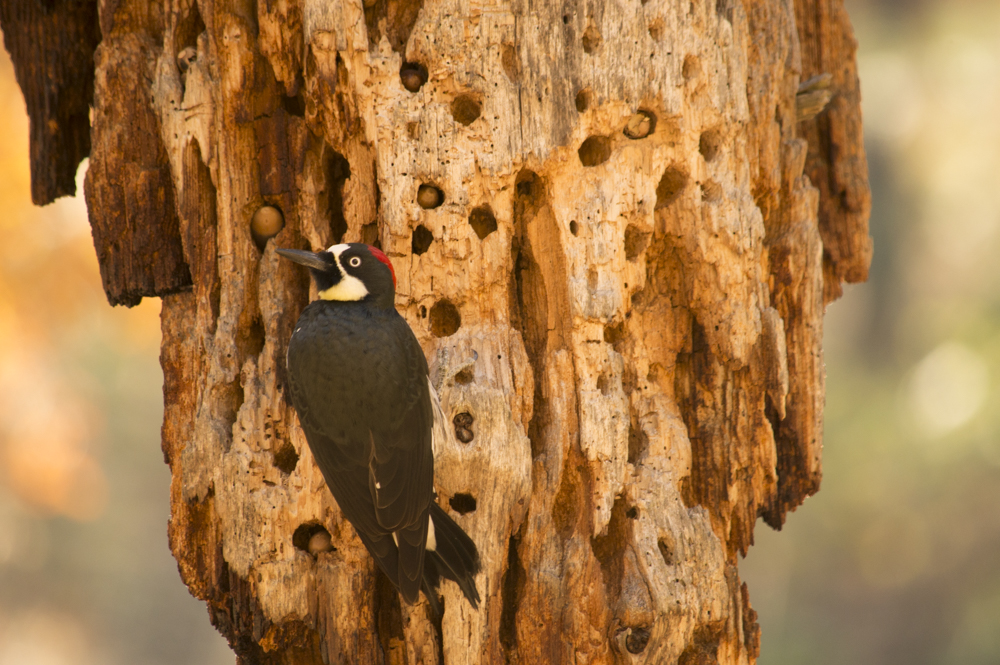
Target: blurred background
(896,560)
(86,576)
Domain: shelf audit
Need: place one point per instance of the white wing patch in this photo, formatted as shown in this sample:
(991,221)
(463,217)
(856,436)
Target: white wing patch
(432,542)
(349,288)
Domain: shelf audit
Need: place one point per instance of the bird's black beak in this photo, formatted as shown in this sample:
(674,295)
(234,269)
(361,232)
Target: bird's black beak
(308,259)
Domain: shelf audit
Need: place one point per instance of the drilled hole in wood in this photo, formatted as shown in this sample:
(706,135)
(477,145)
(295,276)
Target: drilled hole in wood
(666,551)
(614,334)
(636,241)
(632,513)
(465,377)
(656,29)
(711,191)
(483,221)
(637,639)
(510,62)
(465,109)
(591,39)
(463,427)
(528,186)
(413,75)
(421,240)
(312,537)
(463,504)
(294,105)
(671,185)
(186,57)
(189,26)
(337,170)
(691,67)
(640,125)
(266,223)
(285,457)
(708,144)
(638,443)
(574,228)
(445,319)
(423,312)
(250,341)
(584,100)
(429,196)
(595,150)
(604,383)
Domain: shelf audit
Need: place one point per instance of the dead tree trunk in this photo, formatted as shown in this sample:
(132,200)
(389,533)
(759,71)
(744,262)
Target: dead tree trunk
(613,236)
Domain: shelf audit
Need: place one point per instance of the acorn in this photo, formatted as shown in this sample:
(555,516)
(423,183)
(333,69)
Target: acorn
(266,223)
(413,76)
(429,196)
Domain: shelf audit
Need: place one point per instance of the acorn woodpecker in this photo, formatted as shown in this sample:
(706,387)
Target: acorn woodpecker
(359,382)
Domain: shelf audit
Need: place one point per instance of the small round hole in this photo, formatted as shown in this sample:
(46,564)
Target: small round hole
(691,67)
(463,504)
(584,100)
(465,109)
(422,239)
(285,457)
(483,221)
(636,640)
(708,145)
(640,125)
(591,39)
(312,537)
(711,191)
(465,377)
(636,241)
(266,223)
(444,318)
(413,75)
(463,427)
(429,196)
(574,228)
(595,150)
(670,187)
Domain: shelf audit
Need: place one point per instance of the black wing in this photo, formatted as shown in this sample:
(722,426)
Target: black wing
(359,385)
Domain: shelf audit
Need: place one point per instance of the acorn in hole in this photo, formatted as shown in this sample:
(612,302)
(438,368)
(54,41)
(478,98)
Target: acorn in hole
(266,223)
(429,196)
(413,75)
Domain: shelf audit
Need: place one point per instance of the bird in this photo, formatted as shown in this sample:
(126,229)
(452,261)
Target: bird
(360,384)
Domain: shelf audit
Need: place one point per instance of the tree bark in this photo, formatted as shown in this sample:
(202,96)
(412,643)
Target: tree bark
(617,265)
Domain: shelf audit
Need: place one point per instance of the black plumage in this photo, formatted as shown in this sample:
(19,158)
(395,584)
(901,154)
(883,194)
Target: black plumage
(359,382)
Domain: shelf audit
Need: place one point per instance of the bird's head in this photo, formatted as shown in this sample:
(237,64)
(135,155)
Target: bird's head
(349,273)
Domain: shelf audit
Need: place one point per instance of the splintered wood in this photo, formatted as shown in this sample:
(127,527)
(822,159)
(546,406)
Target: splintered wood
(607,240)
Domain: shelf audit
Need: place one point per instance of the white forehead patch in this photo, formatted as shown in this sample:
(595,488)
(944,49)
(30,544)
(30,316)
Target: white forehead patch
(349,288)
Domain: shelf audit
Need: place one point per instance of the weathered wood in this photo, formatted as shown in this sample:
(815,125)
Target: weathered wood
(606,239)
(51,43)
(836,163)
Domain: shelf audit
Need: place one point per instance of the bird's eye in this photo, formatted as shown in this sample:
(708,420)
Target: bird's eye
(355,261)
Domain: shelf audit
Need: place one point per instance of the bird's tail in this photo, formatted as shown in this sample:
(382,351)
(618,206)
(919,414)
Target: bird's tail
(454,557)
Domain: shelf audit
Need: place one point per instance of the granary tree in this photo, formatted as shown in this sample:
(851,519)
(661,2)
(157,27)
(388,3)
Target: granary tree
(615,224)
